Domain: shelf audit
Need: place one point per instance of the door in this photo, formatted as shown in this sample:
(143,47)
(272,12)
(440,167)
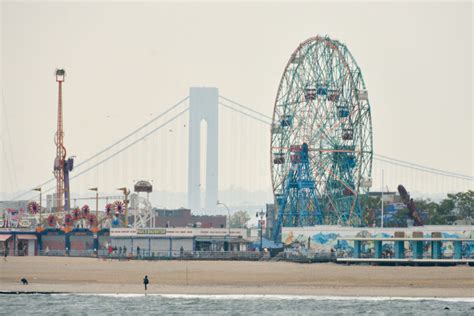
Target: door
(31,247)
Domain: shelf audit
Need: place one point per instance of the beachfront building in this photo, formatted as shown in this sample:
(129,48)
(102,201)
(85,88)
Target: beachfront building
(164,242)
(18,242)
(172,241)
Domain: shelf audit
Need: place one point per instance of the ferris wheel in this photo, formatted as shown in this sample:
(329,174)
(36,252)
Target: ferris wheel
(321,137)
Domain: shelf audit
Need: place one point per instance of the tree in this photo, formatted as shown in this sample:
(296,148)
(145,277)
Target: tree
(464,204)
(370,206)
(427,210)
(239,219)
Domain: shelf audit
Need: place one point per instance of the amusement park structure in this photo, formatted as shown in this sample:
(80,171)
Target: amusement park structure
(62,167)
(321,138)
(140,206)
(410,204)
(114,215)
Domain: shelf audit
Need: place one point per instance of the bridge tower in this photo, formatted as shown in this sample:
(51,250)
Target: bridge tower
(203,105)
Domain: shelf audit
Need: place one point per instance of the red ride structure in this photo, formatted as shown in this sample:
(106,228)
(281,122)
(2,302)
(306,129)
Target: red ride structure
(61,165)
(410,204)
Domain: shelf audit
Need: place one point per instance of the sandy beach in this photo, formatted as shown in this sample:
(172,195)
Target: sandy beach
(87,275)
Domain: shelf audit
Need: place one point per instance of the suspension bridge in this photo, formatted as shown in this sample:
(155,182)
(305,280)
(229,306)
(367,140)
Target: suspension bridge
(158,151)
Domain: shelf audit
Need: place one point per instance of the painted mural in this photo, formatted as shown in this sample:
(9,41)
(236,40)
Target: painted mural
(331,238)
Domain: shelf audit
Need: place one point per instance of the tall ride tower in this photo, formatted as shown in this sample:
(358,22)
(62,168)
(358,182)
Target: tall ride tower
(60,160)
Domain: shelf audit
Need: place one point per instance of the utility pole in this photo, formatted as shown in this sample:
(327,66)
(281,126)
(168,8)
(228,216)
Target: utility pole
(381,220)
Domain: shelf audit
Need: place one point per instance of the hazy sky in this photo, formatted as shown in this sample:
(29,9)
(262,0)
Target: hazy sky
(126,61)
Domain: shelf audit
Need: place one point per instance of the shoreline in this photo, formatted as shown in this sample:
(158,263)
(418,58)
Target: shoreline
(255,296)
(66,275)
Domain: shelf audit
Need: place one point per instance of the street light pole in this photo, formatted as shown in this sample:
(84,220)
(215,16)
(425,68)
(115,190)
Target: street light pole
(228,216)
(96,201)
(260,225)
(381,220)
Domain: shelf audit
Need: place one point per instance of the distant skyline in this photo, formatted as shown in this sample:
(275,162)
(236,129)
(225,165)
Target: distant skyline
(128,62)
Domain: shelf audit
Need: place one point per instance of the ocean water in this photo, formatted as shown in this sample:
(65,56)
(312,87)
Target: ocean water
(163,304)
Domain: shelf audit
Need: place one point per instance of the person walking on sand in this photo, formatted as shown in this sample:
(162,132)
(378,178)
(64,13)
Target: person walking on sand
(145,282)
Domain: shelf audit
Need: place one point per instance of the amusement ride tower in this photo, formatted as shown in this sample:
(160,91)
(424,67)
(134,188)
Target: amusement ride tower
(61,165)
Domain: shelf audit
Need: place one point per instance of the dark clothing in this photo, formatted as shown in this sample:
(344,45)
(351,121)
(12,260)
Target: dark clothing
(145,282)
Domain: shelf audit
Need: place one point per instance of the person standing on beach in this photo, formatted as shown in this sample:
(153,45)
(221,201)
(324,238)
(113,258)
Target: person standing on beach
(6,252)
(146,281)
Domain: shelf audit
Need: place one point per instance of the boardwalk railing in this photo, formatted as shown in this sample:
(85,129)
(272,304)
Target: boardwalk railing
(158,255)
(307,257)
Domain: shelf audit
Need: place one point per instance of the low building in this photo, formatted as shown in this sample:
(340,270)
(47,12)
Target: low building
(166,241)
(18,242)
(183,217)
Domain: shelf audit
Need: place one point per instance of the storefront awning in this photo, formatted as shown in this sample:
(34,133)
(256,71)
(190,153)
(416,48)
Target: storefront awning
(4,237)
(26,237)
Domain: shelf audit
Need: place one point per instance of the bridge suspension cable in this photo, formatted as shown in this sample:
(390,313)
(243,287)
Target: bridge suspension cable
(418,167)
(243,113)
(126,147)
(378,157)
(110,146)
(246,107)
(246,111)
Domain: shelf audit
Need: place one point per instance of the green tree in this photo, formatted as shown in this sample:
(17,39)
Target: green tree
(464,204)
(370,205)
(239,219)
(430,208)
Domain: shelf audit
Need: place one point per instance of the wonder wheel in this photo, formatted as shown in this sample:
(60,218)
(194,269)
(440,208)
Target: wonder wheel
(321,138)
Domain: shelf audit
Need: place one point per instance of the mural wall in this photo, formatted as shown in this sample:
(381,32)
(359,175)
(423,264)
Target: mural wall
(325,238)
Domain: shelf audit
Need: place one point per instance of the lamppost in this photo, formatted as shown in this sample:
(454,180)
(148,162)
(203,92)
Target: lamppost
(381,200)
(260,216)
(96,201)
(228,217)
(126,192)
(41,199)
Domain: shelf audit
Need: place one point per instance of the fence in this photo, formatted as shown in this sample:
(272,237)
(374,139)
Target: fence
(157,255)
(307,257)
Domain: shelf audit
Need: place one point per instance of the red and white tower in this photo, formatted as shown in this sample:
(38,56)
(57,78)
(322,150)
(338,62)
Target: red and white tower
(60,159)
